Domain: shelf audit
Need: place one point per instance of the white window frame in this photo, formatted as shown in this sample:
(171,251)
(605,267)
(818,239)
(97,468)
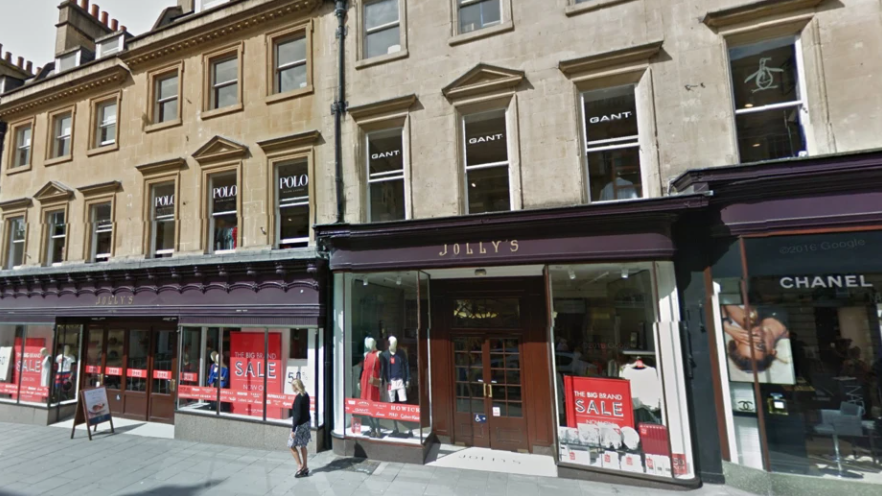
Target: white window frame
(213,100)
(13,241)
(213,215)
(111,46)
(278,69)
(465,157)
(111,121)
(58,136)
(94,256)
(51,237)
(77,56)
(605,145)
(159,101)
(801,104)
(156,220)
(21,147)
(382,27)
(208,4)
(466,3)
(297,202)
(381,177)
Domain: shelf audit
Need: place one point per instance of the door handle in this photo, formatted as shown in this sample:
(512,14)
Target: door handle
(491,391)
(173,384)
(485,390)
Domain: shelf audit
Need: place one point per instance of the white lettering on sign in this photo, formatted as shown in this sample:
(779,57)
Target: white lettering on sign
(223,192)
(393,153)
(293,181)
(610,117)
(824,282)
(486,139)
(164,201)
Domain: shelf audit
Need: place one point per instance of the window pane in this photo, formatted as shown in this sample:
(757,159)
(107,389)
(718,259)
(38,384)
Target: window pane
(163,204)
(224,192)
(383,42)
(488,190)
(165,235)
(67,344)
(293,182)
(292,79)
(16,242)
(610,113)
(225,232)
(764,73)
(769,135)
(615,174)
(55,237)
(226,96)
(479,15)
(62,135)
(163,200)
(108,112)
(294,224)
(168,111)
(486,138)
(290,51)
(225,71)
(167,88)
(56,223)
(379,13)
(23,147)
(387,201)
(385,152)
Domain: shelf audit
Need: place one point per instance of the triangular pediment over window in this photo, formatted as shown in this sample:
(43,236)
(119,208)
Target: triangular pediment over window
(483,78)
(220,148)
(53,191)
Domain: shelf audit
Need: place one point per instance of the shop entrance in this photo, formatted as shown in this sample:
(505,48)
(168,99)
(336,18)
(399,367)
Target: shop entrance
(137,363)
(489,392)
(489,351)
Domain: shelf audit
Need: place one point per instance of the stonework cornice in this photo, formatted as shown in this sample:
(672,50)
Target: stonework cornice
(177,38)
(162,166)
(382,107)
(756,11)
(629,55)
(290,142)
(15,204)
(100,188)
(483,79)
(53,191)
(46,92)
(218,149)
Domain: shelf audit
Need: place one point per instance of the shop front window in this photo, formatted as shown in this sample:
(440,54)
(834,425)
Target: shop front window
(26,363)
(65,384)
(616,357)
(223,205)
(800,340)
(246,372)
(384,379)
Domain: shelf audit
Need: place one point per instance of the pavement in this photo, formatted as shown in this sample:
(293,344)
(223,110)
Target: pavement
(43,460)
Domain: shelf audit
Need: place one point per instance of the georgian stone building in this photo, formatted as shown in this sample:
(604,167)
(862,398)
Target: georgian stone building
(157,203)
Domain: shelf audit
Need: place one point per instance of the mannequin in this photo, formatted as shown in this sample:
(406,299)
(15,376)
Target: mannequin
(45,367)
(396,375)
(218,370)
(645,390)
(370,380)
(64,377)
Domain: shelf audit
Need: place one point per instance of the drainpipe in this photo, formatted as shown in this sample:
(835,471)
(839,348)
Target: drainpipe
(3,136)
(338,108)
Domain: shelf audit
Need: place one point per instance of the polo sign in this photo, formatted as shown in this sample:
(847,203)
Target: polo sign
(223,192)
(289,182)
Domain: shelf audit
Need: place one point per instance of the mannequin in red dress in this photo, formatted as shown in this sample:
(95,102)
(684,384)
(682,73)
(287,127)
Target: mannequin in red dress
(371,372)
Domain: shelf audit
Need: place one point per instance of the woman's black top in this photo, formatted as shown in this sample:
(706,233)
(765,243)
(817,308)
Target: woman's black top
(300,411)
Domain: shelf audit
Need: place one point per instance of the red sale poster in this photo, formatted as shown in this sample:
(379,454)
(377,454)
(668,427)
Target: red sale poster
(248,366)
(34,380)
(590,400)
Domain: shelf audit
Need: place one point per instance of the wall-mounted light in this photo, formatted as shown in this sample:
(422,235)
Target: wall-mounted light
(480,272)
(364,282)
(398,281)
(571,274)
(625,273)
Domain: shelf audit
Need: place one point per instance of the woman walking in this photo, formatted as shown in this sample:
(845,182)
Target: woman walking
(300,433)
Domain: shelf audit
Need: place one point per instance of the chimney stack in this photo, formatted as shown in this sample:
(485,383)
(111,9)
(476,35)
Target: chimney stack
(104,18)
(39,70)
(95,9)
(8,58)
(20,62)
(30,67)
(114,25)
(123,28)
(79,24)
(84,4)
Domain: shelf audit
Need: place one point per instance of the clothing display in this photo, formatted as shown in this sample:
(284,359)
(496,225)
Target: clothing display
(620,189)
(224,376)
(371,372)
(645,386)
(397,389)
(46,371)
(396,366)
(300,412)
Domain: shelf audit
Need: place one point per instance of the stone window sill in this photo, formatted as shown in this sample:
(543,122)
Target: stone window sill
(210,114)
(18,170)
(581,8)
(382,59)
(481,33)
(278,97)
(104,149)
(162,125)
(59,160)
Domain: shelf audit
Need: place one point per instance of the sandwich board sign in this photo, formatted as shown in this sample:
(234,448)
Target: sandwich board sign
(92,409)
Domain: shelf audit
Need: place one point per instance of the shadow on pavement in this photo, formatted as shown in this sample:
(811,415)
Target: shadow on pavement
(359,465)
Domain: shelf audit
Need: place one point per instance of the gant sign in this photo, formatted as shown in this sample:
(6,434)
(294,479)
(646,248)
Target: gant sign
(486,139)
(824,282)
(389,154)
(611,117)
